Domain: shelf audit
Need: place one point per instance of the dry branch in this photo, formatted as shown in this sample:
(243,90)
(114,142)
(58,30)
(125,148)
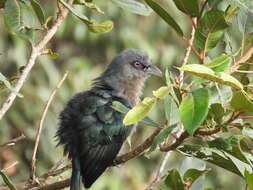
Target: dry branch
(39,129)
(36,51)
(12,142)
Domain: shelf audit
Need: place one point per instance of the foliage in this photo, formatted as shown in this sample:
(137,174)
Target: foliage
(207,93)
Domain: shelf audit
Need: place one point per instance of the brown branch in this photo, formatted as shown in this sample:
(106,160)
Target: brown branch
(12,142)
(188,51)
(54,186)
(244,58)
(36,51)
(39,129)
(168,147)
(139,149)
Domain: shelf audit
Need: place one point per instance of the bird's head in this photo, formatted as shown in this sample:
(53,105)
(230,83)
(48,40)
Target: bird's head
(127,73)
(132,64)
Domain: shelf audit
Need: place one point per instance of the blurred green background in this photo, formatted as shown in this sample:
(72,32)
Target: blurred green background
(85,55)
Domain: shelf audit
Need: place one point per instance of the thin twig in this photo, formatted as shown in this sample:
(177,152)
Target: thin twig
(12,142)
(36,51)
(10,166)
(188,51)
(159,172)
(244,58)
(39,129)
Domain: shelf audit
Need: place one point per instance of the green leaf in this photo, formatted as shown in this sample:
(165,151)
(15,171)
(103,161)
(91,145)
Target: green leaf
(228,80)
(133,6)
(102,27)
(171,111)
(214,156)
(74,12)
(7,181)
(190,7)
(241,101)
(140,111)
(92,6)
(249,179)
(200,71)
(174,181)
(193,110)
(162,92)
(191,175)
(165,16)
(210,30)
(220,63)
(161,137)
(118,106)
(93,25)
(218,112)
(38,10)
(12,16)
(207,73)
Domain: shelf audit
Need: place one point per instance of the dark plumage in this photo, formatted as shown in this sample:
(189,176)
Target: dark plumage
(91,131)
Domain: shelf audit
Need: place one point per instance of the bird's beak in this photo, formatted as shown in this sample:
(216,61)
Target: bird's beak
(154,70)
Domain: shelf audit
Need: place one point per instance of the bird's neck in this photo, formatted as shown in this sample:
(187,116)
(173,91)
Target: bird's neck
(129,89)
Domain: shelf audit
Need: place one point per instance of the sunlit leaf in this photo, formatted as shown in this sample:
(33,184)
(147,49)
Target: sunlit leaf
(133,6)
(102,27)
(241,101)
(174,181)
(190,7)
(165,16)
(140,111)
(249,179)
(118,106)
(226,79)
(161,92)
(207,73)
(193,109)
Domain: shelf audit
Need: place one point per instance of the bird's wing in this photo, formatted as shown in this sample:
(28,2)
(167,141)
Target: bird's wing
(92,132)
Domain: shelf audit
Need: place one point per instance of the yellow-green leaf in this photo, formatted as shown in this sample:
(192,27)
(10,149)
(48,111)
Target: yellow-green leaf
(207,73)
(140,111)
(161,92)
(228,80)
(102,27)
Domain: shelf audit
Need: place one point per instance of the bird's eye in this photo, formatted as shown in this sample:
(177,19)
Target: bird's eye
(138,65)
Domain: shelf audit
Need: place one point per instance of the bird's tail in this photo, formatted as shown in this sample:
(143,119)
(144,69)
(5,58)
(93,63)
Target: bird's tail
(75,177)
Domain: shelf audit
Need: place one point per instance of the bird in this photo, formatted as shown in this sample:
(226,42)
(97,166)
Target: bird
(90,130)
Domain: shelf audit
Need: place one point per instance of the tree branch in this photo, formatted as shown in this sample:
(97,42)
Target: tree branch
(12,142)
(139,149)
(36,51)
(39,129)
(244,58)
(188,51)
